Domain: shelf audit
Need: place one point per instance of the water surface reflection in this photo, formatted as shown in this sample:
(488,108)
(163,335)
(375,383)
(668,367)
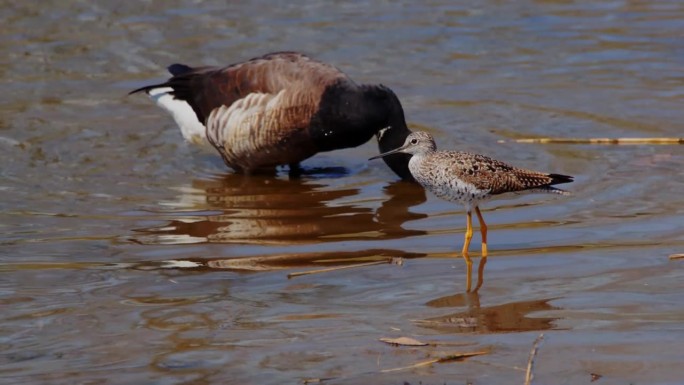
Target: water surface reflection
(507,317)
(266,210)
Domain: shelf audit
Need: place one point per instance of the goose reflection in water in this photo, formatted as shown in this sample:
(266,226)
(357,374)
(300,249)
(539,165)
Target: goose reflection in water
(267,210)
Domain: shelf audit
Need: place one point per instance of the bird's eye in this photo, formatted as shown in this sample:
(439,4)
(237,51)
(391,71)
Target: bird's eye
(414,141)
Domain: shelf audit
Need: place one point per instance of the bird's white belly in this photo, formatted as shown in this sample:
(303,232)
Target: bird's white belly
(455,190)
(446,186)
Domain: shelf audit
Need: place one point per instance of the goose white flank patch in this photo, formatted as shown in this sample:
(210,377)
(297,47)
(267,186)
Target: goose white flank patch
(280,109)
(192,129)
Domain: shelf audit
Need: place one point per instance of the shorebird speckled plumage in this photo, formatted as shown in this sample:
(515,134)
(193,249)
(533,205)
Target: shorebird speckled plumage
(280,109)
(469,179)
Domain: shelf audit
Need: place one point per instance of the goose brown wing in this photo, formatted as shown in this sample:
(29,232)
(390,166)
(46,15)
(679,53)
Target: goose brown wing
(263,129)
(209,88)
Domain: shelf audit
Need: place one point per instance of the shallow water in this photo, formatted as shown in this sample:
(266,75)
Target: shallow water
(99,194)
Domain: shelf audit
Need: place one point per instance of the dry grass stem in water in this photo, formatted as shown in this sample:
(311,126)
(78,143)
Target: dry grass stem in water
(316,380)
(300,273)
(598,140)
(529,375)
(446,358)
(676,256)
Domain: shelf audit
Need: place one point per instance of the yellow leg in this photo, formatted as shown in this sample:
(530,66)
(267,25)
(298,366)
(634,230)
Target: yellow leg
(483,231)
(464,252)
(483,261)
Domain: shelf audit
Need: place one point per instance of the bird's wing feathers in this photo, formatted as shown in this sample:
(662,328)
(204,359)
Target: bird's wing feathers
(211,88)
(208,88)
(487,173)
(253,128)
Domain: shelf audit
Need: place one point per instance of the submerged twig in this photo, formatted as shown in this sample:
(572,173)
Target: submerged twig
(316,380)
(460,356)
(529,375)
(449,357)
(300,273)
(598,140)
(416,365)
(677,256)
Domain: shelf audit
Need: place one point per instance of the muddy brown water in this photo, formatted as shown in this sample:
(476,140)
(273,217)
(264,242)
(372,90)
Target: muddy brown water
(99,193)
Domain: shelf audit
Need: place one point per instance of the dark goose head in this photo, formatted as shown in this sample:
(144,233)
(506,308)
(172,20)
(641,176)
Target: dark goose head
(393,135)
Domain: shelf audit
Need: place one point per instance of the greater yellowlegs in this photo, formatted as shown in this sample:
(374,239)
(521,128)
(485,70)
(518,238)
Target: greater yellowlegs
(470,179)
(280,109)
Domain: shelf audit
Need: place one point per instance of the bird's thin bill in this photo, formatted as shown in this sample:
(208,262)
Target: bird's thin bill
(396,150)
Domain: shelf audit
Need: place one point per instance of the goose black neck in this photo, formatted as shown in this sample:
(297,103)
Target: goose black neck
(393,135)
(349,115)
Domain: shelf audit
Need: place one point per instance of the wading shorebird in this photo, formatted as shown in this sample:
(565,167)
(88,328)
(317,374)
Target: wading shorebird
(470,179)
(280,109)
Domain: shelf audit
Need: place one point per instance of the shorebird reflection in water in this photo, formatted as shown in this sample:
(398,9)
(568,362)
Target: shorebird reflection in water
(280,109)
(470,179)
